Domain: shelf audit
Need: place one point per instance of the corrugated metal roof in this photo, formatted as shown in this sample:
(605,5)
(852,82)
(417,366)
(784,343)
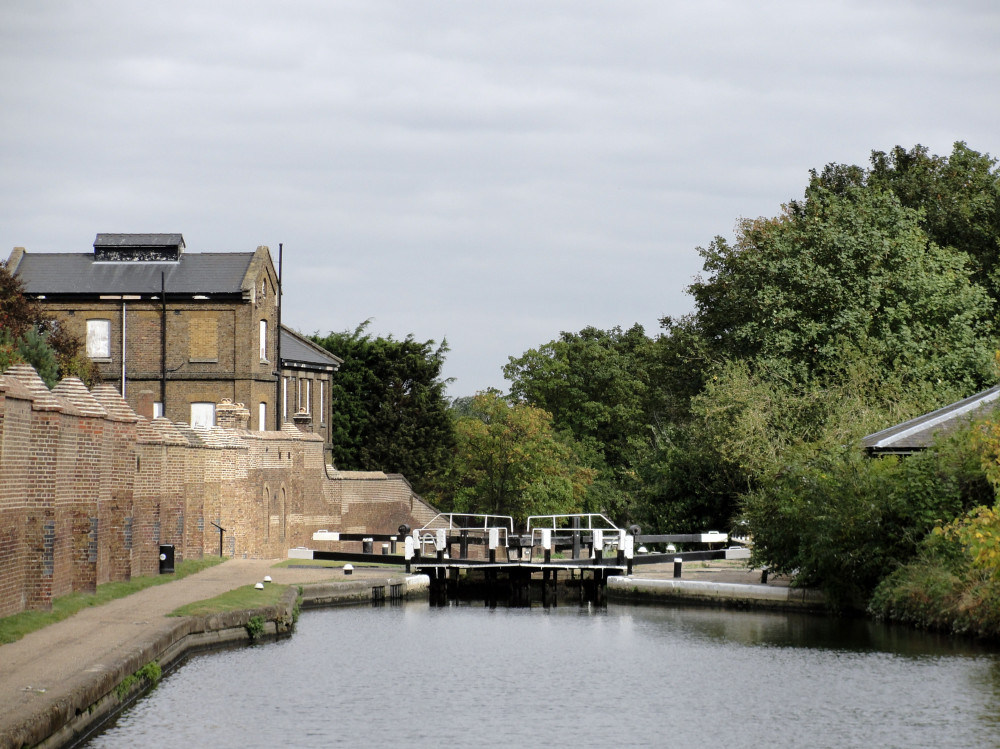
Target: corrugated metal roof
(79,273)
(919,433)
(296,349)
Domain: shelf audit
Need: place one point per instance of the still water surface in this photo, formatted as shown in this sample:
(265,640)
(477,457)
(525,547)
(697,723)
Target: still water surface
(415,676)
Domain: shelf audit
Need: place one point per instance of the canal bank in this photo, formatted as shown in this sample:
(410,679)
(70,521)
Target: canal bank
(714,593)
(58,683)
(66,679)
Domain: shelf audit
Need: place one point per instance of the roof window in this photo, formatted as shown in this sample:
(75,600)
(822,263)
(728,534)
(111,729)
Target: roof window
(138,247)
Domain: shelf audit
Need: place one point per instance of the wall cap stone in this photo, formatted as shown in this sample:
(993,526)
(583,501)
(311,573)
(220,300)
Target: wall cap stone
(41,397)
(73,390)
(111,399)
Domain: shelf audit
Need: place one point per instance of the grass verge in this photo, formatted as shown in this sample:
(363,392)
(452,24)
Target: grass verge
(246,598)
(13,628)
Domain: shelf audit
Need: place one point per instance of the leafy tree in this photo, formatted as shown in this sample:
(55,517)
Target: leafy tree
(35,349)
(510,461)
(598,386)
(27,335)
(595,383)
(18,313)
(958,198)
(860,305)
(388,407)
(841,521)
(849,264)
(688,485)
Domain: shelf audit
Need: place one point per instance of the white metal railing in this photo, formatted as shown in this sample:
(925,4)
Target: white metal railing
(488,521)
(495,529)
(562,522)
(603,534)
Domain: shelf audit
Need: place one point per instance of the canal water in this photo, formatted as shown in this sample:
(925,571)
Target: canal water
(622,676)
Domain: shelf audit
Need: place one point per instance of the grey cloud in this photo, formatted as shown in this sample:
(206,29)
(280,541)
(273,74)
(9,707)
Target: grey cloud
(490,172)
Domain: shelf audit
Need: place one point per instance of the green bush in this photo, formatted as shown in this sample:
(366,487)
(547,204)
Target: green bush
(941,590)
(842,522)
(255,627)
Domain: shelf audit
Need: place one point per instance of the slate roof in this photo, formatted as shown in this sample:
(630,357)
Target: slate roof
(298,350)
(919,433)
(78,273)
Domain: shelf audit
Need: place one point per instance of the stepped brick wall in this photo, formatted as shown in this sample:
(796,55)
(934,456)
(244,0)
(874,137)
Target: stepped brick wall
(89,490)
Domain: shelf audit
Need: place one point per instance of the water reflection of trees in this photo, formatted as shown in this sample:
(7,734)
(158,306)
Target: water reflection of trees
(794,630)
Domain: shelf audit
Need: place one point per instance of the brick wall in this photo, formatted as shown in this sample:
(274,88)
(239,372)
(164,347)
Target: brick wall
(89,490)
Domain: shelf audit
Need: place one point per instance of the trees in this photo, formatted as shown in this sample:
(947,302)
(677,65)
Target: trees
(841,521)
(27,335)
(509,460)
(597,385)
(860,305)
(958,198)
(847,264)
(866,302)
(388,407)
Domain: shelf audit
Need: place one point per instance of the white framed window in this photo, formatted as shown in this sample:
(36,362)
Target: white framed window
(157,410)
(99,339)
(284,399)
(262,417)
(304,393)
(203,414)
(263,340)
(322,402)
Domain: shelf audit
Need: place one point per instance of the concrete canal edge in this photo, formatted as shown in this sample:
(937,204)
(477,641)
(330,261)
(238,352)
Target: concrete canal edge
(737,595)
(364,590)
(113,686)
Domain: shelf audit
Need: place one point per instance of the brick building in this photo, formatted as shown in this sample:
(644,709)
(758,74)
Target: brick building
(306,372)
(183,331)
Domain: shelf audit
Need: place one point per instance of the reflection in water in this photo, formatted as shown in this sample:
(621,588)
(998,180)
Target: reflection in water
(807,630)
(620,676)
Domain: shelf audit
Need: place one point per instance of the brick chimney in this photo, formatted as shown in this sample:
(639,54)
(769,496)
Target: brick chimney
(229,415)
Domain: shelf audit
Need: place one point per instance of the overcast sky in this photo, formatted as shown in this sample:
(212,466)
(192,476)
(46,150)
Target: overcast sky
(492,173)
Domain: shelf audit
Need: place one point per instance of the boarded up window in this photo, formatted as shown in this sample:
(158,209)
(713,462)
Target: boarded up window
(203,415)
(203,337)
(99,339)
